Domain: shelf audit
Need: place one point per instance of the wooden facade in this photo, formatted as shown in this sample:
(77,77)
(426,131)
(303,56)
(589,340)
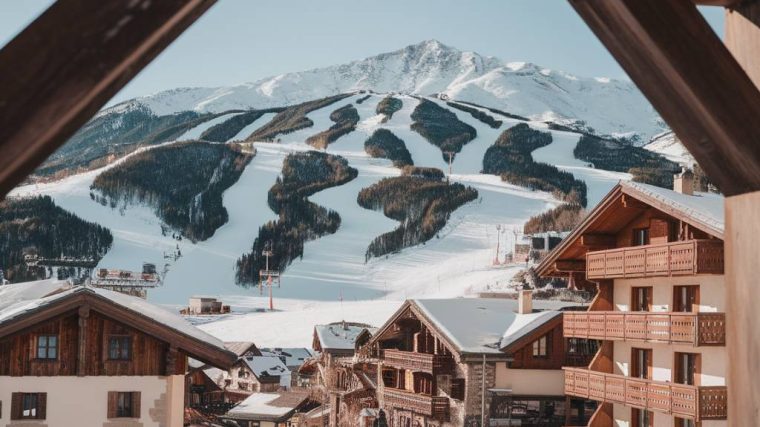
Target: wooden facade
(657,258)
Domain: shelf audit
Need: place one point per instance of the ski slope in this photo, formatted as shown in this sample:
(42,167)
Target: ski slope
(333,281)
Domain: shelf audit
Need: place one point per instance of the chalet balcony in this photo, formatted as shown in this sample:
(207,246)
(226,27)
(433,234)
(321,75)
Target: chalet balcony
(433,406)
(697,329)
(417,362)
(668,259)
(684,401)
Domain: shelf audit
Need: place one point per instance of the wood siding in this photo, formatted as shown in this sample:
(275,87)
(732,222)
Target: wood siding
(524,359)
(149,356)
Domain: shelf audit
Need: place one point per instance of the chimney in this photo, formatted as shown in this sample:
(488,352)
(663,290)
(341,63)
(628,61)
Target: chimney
(525,302)
(684,182)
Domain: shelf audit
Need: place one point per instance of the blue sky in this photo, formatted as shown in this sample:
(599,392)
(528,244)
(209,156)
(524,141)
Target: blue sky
(244,40)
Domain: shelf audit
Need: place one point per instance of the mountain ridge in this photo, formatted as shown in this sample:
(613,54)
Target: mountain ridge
(604,106)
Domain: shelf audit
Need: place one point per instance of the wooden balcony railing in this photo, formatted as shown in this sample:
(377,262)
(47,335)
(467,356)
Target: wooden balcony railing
(667,259)
(684,401)
(433,406)
(698,329)
(417,362)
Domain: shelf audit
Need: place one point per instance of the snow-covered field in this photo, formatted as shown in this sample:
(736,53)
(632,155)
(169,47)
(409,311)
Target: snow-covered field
(332,281)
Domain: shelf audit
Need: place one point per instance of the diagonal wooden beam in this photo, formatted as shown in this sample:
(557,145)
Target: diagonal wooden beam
(683,68)
(68,63)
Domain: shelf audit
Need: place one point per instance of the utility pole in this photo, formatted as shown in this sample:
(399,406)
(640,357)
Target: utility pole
(451,159)
(498,244)
(270,275)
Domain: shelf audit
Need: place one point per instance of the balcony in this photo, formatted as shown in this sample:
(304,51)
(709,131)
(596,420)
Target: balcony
(697,329)
(417,362)
(685,401)
(433,406)
(667,259)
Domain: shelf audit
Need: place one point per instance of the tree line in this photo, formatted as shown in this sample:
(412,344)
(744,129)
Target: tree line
(441,127)
(299,220)
(37,226)
(183,183)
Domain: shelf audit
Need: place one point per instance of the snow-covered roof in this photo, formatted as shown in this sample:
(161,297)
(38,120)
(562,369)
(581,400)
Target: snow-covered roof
(292,357)
(20,299)
(267,406)
(215,374)
(240,347)
(481,325)
(266,366)
(340,335)
(706,208)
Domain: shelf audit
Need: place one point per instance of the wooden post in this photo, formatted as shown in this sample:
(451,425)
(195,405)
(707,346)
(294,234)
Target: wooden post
(742,246)
(84,314)
(171,361)
(742,37)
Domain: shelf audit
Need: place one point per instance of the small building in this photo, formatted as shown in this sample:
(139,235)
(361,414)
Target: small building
(474,361)
(200,305)
(293,358)
(534,247)
(345,381)
(271,409)
(82,356)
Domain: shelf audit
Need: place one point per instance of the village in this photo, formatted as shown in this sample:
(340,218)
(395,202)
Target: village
(631,304)
(648,346)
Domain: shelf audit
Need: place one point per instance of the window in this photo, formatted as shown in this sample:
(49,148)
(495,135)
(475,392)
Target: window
(683,422)
(123,404)
(47,347)
(119,348)
(686,368)
(540,347)
(28,406)
(686,298)
(641,418)
(641,363)
(457,388)
(640,236)
(641,298)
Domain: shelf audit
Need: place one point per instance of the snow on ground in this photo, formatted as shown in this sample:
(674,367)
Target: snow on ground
(196,132)
(667,145)
(332,282)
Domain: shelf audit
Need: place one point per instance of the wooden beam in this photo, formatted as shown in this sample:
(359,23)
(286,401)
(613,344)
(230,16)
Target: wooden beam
(599,240)
(683,68)
(722,3)
(742,293)
(629,202)
(742,37)
(68,63)
(83,314)
(570,265)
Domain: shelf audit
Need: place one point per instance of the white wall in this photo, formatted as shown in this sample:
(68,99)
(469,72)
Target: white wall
(83,401)
(541,382)
(711,291)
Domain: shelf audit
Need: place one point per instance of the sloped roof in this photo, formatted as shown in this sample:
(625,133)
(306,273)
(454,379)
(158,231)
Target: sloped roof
(266,366)
(267,406)
(483,325)
(242,347)
(703,211)
(22,300)
(292,357)
(340,335)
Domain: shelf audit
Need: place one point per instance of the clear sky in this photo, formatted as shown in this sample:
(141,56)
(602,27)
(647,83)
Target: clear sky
(243,40)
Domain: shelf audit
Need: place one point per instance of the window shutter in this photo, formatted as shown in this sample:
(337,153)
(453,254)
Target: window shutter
(457,388)
(41,406)
(113,397)
(136,404)
(16,405)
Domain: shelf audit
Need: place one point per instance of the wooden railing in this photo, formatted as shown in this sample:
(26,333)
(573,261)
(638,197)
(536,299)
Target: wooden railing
(417,362)
(699,329)
(433,406)
(685,401)
(667,259)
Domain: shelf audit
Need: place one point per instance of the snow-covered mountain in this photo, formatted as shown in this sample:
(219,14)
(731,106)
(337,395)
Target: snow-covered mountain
(601,105)
(671,148)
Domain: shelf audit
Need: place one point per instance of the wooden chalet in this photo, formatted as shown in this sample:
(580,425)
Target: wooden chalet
(281,409)
(657,258)
(474,361)
(344,379)
(75,355)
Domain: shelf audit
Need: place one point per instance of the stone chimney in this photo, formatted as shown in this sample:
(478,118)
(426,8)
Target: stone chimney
(684,182)
(525,302)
